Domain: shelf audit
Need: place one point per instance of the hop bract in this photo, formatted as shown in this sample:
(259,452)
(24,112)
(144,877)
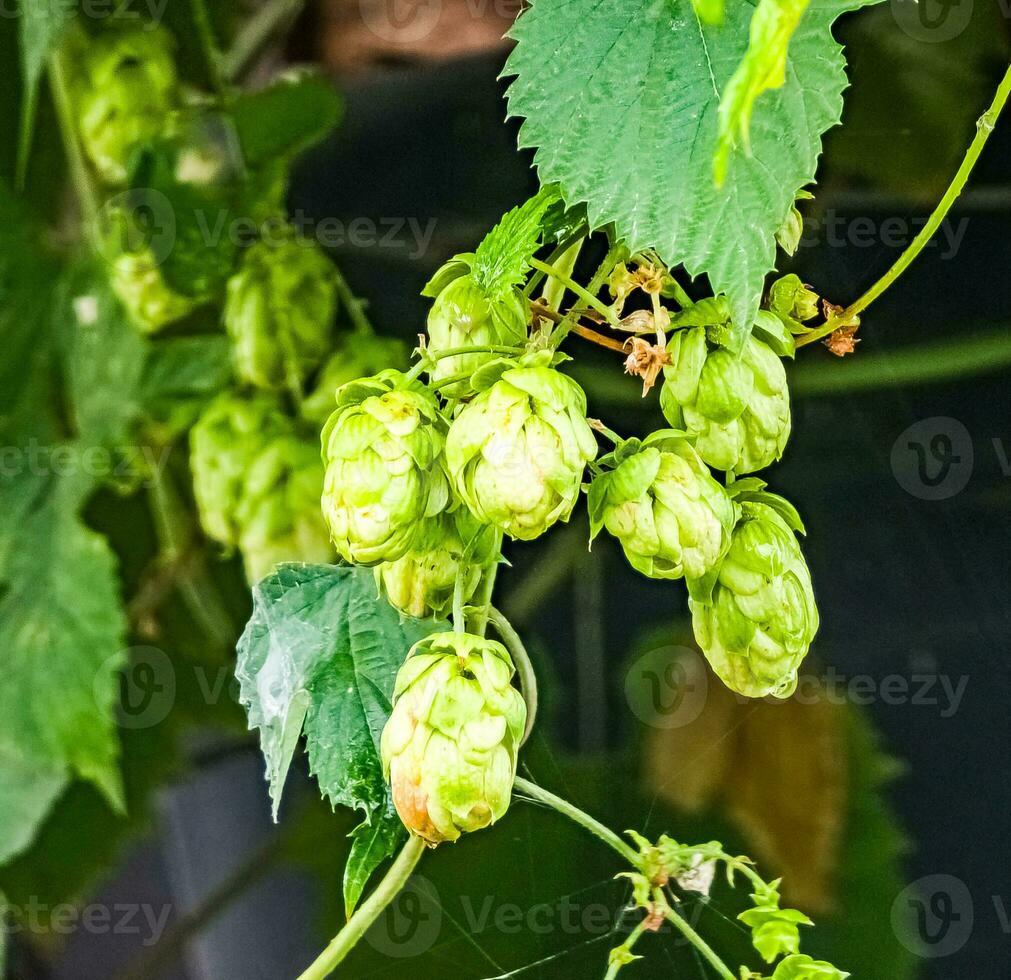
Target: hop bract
(761,618)
(382,448)
(736,408)
(127,87)
(463,315)
(150,302)
(422,583)
(227,439)
(278,514)
(279,311)
(356,357)
(517,452)
(661,502)
(449,748)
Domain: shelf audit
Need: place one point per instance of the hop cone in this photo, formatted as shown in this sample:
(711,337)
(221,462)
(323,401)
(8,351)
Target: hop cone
(384,471)
(225,443)
(149,301)
(422,583)
(279,311)
(761,618)
(127,87)
(517,452)
(671,517)
(356,357)
(278,514)
(735,408)
(449,748)
(464,316)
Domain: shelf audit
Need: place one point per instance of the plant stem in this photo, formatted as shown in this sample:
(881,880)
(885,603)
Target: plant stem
(354,306)
(614,255)
(459,616)
(628,945)
(209,45)
(984,129)
(80,175)
(484,594)
(368,911)
(573,812)
(452,380)
(524,668)
(269,20)
(694,938)
(601,340)
(584,294)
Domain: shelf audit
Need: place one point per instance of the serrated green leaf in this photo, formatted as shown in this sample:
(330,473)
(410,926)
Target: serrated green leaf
(320,655)
(630,127)
(502,260)
(40,27)
(371,844)
(27,792)
(763,67)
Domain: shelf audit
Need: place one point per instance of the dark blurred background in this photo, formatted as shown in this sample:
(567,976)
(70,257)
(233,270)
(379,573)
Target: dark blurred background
(881,792)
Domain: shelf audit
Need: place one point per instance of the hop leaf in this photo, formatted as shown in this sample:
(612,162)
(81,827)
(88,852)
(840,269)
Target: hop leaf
(774,931)
(735,407)
(449,749)
(758,625)
(382,448)
(279,311)
(517,452)
(803,967)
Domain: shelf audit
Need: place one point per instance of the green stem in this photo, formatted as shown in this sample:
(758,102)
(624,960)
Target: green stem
(354,306)
(524,668)
(459,615)
(209,45)
(269,20)
(584,294)
(628,945)
(984,129)
(693,937)
(614,255)
(368,911)
(79,173)
(584,820)
(483,597)
(454,379)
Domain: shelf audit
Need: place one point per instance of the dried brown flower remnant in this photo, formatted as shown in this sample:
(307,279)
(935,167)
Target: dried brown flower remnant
(645,360)
(844,340)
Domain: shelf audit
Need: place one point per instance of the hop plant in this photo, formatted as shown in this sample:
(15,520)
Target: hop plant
(149,301)
(517,452)
(356,357)
(759,622)
(661,502)
(128,86)
(449,748)
(279,310)
(736,408)
(464,315)
(278,513)
(382,448)
(450,546)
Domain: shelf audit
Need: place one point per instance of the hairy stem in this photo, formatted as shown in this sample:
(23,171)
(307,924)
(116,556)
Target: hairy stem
(573,812)
(368,911)
(984,129)
(524,668)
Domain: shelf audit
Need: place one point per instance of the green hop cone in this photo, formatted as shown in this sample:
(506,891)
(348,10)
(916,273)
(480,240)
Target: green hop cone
(149,301)
(127,87)
(382,448)
(449,748)
(661,502)
(793,302)
(422,583)
(279,311)
(463,315)
(735,408)
(356,356)
(803,967)
(759,622)
(278,514)
(517,452)
(227,439)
